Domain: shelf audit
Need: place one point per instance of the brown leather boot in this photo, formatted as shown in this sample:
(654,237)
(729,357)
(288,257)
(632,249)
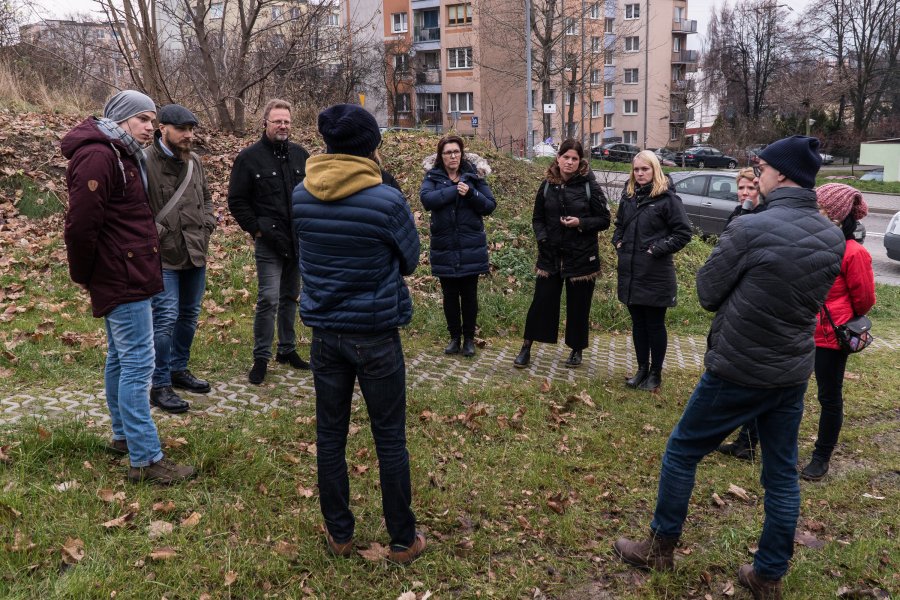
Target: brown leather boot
(762,589)
(656,552)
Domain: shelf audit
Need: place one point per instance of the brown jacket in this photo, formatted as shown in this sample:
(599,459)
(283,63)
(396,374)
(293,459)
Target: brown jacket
(186,228)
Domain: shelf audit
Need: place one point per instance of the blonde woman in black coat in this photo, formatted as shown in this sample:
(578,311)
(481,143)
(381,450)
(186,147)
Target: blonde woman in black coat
(651,226)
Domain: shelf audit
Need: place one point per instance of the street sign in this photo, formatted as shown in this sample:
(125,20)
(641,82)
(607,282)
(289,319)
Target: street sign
(474,122)
(549,109)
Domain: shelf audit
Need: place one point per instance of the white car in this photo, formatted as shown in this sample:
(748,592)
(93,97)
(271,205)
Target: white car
(543,149)
(827,159)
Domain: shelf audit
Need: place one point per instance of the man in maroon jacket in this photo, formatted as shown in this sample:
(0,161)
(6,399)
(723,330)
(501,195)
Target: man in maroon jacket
(113,252)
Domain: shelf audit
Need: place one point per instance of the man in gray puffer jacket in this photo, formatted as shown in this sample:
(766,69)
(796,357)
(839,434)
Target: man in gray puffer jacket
(766,280)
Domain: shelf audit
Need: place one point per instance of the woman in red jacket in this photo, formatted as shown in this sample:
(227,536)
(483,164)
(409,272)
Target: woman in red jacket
(852,294)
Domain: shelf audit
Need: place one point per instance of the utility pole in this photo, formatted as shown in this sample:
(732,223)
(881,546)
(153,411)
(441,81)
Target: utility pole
(528,123)
(646,70)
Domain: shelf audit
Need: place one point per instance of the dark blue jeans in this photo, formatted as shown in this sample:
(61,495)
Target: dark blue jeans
(714,410)
(376,361)
(175,313)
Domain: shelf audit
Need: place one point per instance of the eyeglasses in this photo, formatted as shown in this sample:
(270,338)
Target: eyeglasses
(279,123)
(757,170)
(451,153)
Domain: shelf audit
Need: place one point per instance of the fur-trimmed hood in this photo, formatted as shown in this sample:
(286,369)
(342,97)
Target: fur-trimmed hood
(482,168)
(554,177)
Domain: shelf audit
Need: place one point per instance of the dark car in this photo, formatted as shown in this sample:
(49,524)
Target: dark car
(892,238)
(615,152)
(703,157)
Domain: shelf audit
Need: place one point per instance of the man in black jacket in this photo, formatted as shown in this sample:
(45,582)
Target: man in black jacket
(259,196)
(766,280)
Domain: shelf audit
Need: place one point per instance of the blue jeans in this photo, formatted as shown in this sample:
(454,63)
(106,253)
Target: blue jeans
(278,281)
(175,313)
(129,367)
(376,360)
(714,410)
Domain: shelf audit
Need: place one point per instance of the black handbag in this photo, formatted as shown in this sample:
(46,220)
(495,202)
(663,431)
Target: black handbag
(853,336)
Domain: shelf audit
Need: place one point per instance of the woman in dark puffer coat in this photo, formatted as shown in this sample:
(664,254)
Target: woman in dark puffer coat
(651,225)
(569,211)
(456,193)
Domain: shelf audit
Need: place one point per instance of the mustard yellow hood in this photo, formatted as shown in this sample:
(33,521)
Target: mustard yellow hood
(331,177)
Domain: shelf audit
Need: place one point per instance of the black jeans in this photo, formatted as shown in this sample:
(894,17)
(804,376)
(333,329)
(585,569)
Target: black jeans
(648,331)
(376,361)
(830,366)
(460,292)
(542,323)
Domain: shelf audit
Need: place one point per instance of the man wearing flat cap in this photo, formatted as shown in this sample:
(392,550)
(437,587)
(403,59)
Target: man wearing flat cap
(183,211)
(113,252)
(765,280)
(259,197)
(357,240)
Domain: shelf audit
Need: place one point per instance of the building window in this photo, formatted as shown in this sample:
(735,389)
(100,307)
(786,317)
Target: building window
(632,43)
(459,58)
(399,23)
(216,11)
(401,103)
(596,139)
(674,133)
(608,25)
(333,20)
(596,44)
(459,14)
(608,57)
(607,121)
(608,89)
(629,137)
(429,102)
(631,107)
(551,98)
(596,109)
(676,44)
(276,13)
(430,61)
(533,98)
(596,76)
(462,102)
(632,11)
(679,13)
(573,98)
(401,63)
(594,11)
(631,75)
(571,26)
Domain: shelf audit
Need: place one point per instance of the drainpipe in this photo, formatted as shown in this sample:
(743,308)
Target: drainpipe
(646,70)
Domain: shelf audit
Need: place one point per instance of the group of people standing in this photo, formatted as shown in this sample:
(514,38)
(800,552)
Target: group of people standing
(137,231)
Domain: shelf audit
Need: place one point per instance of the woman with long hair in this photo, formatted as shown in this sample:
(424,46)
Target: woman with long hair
(569,212)
(651,226)
(455,191)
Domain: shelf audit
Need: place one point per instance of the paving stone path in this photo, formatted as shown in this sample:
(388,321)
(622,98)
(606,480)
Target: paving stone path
(607,356)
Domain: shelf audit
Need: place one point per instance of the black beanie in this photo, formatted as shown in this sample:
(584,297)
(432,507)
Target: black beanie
(796,157)
(349,129)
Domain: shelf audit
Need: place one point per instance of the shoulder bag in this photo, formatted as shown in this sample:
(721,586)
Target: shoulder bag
(175,197)
(853,336)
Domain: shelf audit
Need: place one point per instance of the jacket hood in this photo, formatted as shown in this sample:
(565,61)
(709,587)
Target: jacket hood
(479,164)
(331,177)
(554,177)
(84,133)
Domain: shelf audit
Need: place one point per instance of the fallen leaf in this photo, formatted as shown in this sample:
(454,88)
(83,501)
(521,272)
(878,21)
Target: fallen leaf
(728,589)
(230,577)
(174,442)
(291,458)
(191,520)
(21,542)
(285,548)
(65,486)
(545,386)
(856,593)
(872,496)
(72,551)
(163,553)
(304,492)
(375,552)
(717,500)
(87,465)
(120,521)
(809,540)
(739,492)
(360,469)
(407,596)
(159,529)
(42,433)
(4,457)
(164,507)
(582,397)
(650,428)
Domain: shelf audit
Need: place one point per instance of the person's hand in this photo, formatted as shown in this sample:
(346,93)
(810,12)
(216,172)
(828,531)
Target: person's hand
(570,221)
(619,245)
(462,188)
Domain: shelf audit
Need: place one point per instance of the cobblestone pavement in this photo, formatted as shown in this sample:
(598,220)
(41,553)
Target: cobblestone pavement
(607,356)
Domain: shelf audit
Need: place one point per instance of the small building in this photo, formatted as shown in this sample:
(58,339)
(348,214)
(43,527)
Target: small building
(882,152)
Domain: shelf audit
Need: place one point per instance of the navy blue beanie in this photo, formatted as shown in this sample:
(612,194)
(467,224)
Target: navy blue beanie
(796,157)
(349,129)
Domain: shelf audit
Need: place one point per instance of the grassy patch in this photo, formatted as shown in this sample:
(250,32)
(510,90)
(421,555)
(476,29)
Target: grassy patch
(878,187)
(28,198)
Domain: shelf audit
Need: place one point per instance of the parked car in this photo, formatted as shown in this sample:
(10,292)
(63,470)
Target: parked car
(874,175)
(543,149)
(709,198)
(615,152)
(827,159)
(703,157)
(892,237)
(666,156)
(753,151)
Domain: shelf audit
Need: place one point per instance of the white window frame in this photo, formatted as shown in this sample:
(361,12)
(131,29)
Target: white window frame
(596,44)
(277,11)
(630,107)
(609,58)
(454,98)
(676,44)
(607,89)
(594,12)
(333,19)
(596,109)
(401,63)
(216,10)
(455,54)
(596,138)
(608,121)
(632,76)
(571,24)
(596,76)
(632,12)
(399,22)
(629,137)
(403,107)
(632,43)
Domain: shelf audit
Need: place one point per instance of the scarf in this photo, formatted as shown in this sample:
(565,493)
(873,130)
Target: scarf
(112,130)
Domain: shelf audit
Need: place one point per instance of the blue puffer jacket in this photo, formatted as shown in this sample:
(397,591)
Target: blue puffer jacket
(358,240)
(458,240)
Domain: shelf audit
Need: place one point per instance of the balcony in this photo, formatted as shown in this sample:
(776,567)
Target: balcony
(427,34)
(685,57)
(432,117)
(430,77)
(682,86)
(684,26)
(681,116)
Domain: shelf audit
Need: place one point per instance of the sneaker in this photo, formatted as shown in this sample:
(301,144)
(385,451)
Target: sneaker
(258,373)
(118,446)
(407,555)
(162,472)
(339,549)
(815,470)
(293,359)
(185,380)
(165,398)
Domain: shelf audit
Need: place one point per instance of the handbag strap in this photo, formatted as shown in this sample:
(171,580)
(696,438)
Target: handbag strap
(178,193)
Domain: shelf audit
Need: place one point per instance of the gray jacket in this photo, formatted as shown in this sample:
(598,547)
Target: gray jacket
(766,280)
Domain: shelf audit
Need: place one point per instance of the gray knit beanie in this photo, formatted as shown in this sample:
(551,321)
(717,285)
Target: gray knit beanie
(126,104)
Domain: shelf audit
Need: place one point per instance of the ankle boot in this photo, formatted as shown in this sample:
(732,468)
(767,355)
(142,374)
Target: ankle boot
(468,347)
(638,377)
(740,448)
(815,470)
(524,356)
(762,589)
(653,380)
(656,552)
(453,346)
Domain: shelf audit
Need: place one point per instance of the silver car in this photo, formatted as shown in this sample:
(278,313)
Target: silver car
(709,198)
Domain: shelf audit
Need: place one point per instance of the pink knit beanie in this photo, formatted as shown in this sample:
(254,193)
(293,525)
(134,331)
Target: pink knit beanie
(839,200)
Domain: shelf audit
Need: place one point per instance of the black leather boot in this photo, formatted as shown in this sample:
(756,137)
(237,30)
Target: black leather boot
(524,356)
(453,346)
(468,348)
(574,359)
(653,380)
(639,377)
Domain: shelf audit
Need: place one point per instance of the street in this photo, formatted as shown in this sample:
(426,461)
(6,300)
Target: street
(886,270)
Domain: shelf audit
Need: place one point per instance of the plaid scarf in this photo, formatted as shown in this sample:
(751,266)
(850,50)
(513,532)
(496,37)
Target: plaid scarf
(112,130)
